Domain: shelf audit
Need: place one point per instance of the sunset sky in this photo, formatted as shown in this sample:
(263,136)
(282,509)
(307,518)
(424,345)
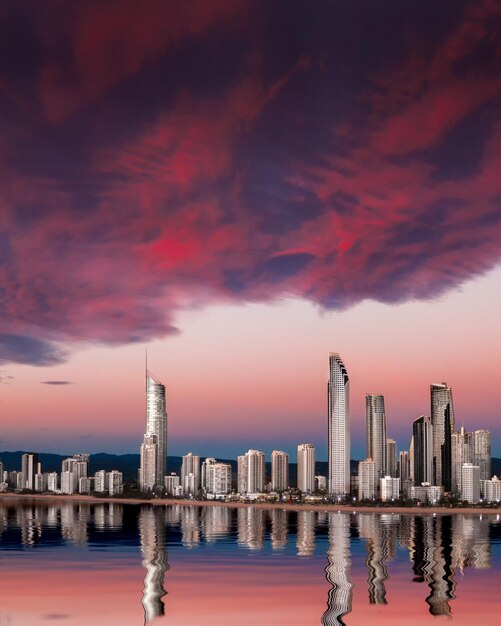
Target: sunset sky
(242,188)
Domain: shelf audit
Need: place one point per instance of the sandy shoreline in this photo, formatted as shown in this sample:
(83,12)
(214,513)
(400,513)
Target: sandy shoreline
(237,505)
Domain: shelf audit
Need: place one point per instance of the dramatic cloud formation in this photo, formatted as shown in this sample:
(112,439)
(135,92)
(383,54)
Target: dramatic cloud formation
(233,151)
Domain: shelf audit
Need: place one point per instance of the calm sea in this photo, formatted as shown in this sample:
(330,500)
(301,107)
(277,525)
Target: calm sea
(114,564)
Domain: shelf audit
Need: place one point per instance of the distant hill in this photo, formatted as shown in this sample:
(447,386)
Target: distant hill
(128,464)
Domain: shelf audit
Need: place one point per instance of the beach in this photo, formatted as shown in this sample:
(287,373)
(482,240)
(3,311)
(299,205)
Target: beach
(331,508)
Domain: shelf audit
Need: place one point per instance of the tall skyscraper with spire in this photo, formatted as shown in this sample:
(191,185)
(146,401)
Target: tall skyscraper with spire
(338,418)
(154,447)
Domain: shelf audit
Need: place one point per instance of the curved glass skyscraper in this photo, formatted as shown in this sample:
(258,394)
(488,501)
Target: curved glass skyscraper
(338,418)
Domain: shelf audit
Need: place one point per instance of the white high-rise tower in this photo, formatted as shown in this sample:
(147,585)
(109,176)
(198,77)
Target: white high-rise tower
(154,447)
(338,417)
(376,433)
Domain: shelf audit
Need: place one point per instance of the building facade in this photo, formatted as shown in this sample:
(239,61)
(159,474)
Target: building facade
(443,422)
(190,474)
(390,488)
(251,472)
(422,438)
(470,488)
(338,421)
(154,448)
(279,471)
(306,468)
(367,480)
(375,423)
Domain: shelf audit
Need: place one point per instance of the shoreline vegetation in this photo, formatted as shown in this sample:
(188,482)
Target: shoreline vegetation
(342,508)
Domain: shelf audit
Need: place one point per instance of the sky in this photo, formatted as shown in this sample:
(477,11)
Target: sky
(244,187)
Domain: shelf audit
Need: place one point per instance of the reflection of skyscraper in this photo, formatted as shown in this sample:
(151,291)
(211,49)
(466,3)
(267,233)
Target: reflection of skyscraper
(152,537)
(338,418)
(431,554)
(442,419)
(305,540)
(380,531)
(154,447)
(250,523)
(338,570)
(279,530)
(375,419)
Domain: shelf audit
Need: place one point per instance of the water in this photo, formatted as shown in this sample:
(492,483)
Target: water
(114,564)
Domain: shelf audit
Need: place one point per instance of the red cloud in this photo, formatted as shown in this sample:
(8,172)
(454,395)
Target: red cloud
(265,185)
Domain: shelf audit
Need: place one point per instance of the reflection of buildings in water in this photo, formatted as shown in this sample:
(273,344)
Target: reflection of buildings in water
(380,532)
(4,520)
(431,555)
(305,541)
(52,516)
(30,523)
(216,522)
(152,538)
(173,514)
(338,570)
(279,529)
(250,523)
(190,526)
(74,522)
(471,546)
(108,515)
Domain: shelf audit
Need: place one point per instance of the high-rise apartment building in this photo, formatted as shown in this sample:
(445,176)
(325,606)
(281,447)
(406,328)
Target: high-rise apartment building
(491,489)
(251,472)
(219,479)
(338,419)
(391,458)
(390,488)
(482,452)
(154,447)
(404,469)
(190,474)
(115,483)
(375,422)
(279,470)
(461,452)
(442,419)
(422,437)
(204,477)
(306,468)
(367,480)
(470,489)
(29,469)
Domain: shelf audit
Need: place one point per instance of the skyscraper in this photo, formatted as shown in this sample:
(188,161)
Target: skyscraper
(338,418)
(190,474)
(306,467)
(461,452)
(422,432)
(375,421)
(29,468)
(154,447)
(391,458)
(279,470)
(442,419)
(251,472)
(367,480)
(482,452)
